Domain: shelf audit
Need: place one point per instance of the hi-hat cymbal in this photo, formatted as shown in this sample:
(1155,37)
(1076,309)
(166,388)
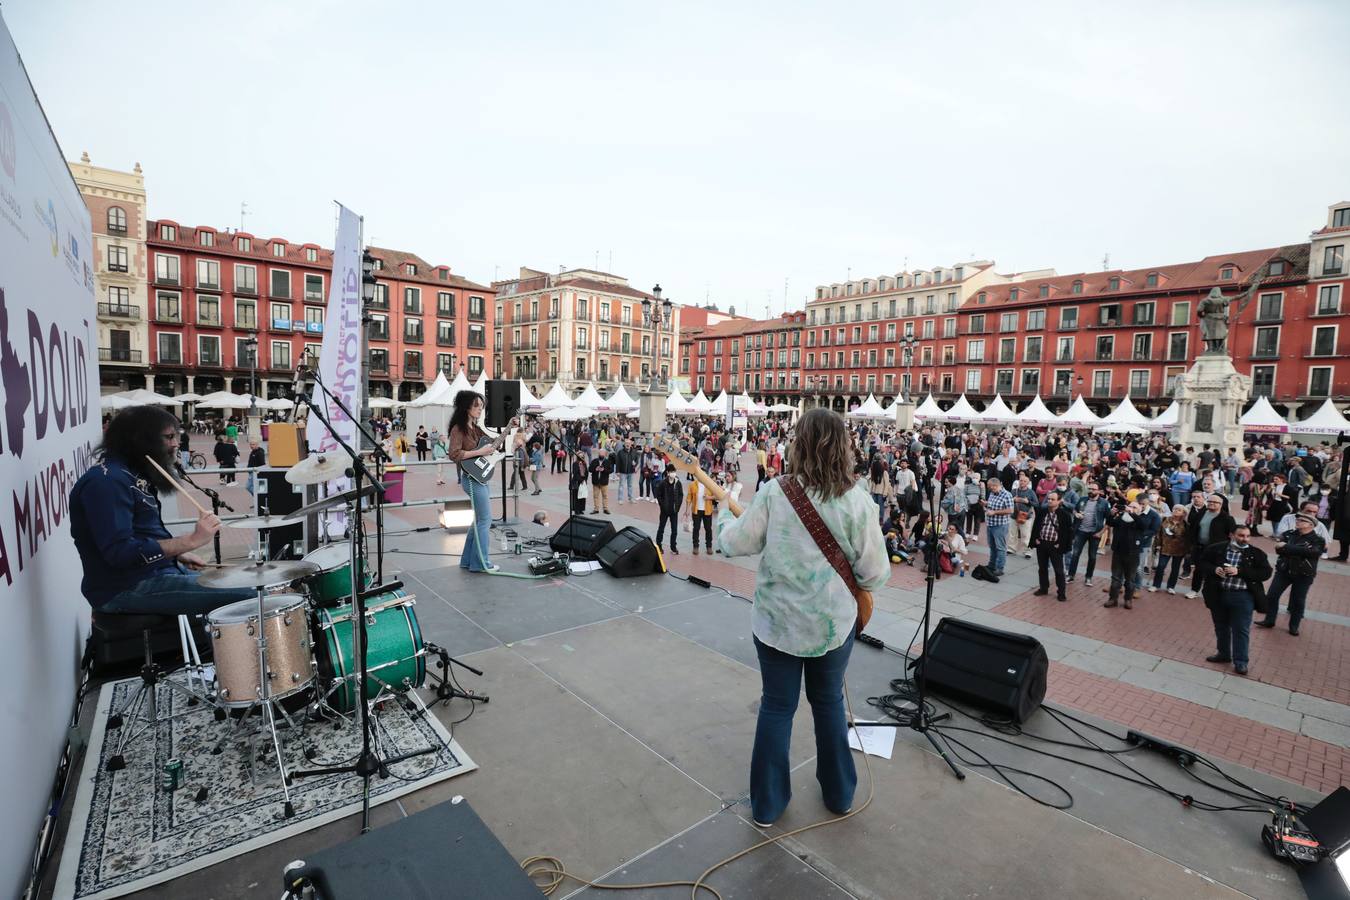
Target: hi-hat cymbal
(258,523)
(318,468)
(256,575)
(331,501)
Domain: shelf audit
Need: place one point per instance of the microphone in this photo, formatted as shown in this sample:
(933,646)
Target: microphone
(296,381)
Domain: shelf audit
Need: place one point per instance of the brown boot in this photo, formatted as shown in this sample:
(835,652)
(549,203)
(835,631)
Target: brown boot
(1129,602)
(1110,603)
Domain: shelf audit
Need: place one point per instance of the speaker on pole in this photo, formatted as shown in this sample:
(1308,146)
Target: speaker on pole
(998,670)
(630,553)
(502,401)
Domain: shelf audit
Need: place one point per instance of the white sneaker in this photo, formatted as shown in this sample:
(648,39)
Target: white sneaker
(1151,589)
(1191,595)
(1087,582)
(1027,554)
(1169,590)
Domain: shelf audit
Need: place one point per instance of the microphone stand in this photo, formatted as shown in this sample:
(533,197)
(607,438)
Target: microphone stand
(369,763)
(922,721)
(216,505)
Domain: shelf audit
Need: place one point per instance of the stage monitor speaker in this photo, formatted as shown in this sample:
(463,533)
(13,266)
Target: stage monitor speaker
(630,553)
(995,670)
(285,444)
(581,537)
(502,401)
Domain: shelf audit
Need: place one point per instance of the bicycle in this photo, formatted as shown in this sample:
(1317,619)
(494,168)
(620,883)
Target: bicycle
(196,460)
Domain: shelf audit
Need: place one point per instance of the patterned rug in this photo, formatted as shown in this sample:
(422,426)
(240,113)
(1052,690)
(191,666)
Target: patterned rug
(127,833)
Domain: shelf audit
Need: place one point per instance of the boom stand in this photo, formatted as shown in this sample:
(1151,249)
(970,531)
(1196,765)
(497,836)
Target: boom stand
(368,763)
(922,721)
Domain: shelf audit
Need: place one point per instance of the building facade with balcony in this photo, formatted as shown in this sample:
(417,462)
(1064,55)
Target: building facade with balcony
(227,308)
(760,357)
(854,332)
(1106,335)
(117,211)
(576,327)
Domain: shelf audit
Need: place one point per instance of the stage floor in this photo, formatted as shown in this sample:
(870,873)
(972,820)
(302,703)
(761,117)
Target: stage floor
(618,739)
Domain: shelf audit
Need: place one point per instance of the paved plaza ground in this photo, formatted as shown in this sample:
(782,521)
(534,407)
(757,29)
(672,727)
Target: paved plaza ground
(622,712)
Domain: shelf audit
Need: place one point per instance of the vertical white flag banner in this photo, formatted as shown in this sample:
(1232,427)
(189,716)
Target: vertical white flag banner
(49,426)
(340,357)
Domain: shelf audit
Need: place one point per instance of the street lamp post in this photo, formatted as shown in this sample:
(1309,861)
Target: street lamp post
(656,315)
(907,352)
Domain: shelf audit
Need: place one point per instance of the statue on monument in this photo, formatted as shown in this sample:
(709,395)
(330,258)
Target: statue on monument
(1213,315)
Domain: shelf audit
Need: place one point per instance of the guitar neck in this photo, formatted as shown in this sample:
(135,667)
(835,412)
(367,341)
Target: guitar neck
(719,493)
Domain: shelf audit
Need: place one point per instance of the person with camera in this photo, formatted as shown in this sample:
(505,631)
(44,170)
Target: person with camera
(1127,543)
(1297,551)
(1235,571)
(1089,521)
(1051,537)
(1210,525)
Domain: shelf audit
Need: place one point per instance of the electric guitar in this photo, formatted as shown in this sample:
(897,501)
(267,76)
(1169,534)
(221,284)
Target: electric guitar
(480,468)
(686,462)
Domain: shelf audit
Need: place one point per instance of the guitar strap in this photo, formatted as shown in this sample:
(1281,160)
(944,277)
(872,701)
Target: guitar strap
(820,533)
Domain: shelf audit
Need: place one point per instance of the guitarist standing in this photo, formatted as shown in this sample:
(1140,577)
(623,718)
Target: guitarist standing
(464,440)
(804,612)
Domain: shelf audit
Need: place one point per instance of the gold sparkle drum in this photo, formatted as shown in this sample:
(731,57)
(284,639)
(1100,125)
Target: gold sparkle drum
(234,642)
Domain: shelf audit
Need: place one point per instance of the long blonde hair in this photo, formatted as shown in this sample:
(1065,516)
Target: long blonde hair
(820,455)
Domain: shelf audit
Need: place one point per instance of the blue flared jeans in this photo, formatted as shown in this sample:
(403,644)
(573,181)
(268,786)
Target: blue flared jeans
(477,551)
(770,771)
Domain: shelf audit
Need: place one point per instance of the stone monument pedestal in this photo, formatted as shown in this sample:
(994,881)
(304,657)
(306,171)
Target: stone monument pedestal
(904,415)
(1210,399)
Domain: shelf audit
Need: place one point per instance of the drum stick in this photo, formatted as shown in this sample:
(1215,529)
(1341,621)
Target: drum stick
(182,490)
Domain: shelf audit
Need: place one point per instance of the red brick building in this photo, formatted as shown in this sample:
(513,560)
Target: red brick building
(214,293)
(762,357)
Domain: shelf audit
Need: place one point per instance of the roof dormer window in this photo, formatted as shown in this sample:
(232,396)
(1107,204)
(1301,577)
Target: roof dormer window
(245,245)
(1276,267)
(409,268)
(1012,295)
(1045,292)
(1151,280)
(206,238)
(278,249)
(1113,283)
(1078,287)
(311,255)
(979,298)
(1340,218)
(1226,273)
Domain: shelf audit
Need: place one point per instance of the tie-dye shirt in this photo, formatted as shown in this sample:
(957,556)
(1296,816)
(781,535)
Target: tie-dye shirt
(802,606)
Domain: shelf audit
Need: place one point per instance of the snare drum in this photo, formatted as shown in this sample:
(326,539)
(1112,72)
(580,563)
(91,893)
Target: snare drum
(394,653)
(234,642)
(332,584)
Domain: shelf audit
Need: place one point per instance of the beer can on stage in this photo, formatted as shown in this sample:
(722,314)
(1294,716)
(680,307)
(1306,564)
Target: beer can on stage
(173,775)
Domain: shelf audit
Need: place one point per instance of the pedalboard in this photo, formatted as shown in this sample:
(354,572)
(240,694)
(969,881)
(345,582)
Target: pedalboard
(1287,842)
(549,565)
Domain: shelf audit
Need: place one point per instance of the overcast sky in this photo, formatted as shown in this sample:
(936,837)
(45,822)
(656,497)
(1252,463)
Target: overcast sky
(717,148)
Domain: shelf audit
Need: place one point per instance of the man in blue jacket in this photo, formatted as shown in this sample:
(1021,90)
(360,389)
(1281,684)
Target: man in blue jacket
(132,564)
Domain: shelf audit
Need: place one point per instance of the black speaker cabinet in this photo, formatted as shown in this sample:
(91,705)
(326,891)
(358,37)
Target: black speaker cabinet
(630,553)
(274,495)
(581,537)
(502,401)
(996,670)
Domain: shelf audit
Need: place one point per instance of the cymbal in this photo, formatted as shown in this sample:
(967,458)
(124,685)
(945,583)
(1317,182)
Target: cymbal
(318,468)
(259,523)
(332,500)
(256,575)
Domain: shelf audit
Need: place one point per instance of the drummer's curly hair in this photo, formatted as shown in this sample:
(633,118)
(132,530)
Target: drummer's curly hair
(137,432)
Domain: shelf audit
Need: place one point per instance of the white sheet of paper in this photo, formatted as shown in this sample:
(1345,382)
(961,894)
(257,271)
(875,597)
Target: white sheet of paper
(582,566)
(876,741)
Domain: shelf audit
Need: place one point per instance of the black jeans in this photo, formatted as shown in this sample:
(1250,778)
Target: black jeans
(1124,570)
(1163,560)
(706,520)
(1049,556)
(661,528)
(1082,539)
(1298,596)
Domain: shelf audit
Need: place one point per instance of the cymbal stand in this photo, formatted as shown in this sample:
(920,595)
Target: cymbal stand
(369,763)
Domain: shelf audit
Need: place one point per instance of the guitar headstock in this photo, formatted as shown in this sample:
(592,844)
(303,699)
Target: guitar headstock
(680,458)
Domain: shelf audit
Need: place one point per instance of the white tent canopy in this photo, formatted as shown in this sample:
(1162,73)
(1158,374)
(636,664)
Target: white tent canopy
(225,400)
(701,404)
(115,402)
(1120,428)
(961,411)
(1327,420)
(432,396)
(187,398)
(787,407)
(868,409)
(591,397)
(1262,417)
(1079,416)
(998,412)
(621,401)
(527,399)
(480,386)
(1167,419)
(676,403)
(1037,413)
(382,403)
(568,413)
(1126,413)
(928,409)
(554,399)
(146,397)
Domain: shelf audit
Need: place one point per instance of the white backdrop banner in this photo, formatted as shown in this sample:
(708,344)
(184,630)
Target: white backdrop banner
(49,426)
(340,357)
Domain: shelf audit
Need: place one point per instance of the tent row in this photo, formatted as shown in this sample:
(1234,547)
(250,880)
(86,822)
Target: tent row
(1124,419)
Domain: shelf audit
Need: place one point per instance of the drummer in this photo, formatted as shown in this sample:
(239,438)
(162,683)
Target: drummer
(132,564)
